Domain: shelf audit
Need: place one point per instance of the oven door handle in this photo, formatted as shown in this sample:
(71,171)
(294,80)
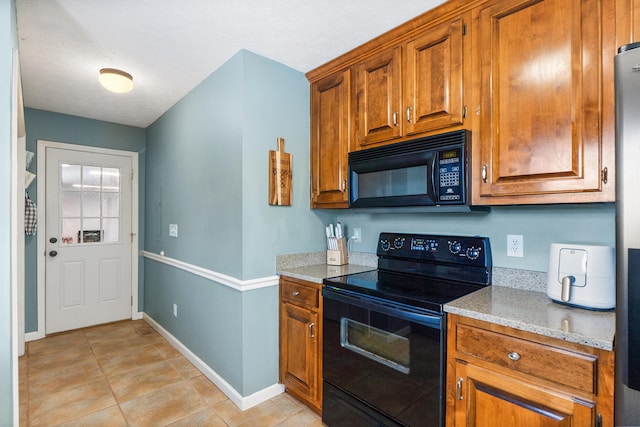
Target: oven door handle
(386,307)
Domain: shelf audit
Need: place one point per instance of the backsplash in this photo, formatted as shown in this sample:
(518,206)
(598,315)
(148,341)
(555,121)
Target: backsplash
(284,262)
(520,279)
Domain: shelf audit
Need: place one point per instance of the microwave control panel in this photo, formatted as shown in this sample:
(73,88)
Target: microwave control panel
(450,175)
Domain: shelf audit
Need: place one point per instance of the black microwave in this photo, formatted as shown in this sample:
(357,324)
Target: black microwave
(429,171)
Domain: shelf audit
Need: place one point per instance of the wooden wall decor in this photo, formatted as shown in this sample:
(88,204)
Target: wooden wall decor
(279,176)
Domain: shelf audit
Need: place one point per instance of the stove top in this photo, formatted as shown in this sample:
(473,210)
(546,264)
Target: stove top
(424,271)
(410,290)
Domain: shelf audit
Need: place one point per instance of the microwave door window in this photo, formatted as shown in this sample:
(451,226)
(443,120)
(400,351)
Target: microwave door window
(408,181)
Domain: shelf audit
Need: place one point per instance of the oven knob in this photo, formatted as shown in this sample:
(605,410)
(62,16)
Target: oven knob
(473,253)
(385,245)
(398,242)
(455,247)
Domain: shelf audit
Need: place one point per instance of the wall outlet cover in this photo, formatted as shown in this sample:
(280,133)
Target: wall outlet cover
(173,230)
(515,245)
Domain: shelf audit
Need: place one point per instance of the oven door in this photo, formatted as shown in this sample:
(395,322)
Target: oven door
(383,363)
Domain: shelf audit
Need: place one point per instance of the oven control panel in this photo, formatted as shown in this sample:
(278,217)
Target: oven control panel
(465,250)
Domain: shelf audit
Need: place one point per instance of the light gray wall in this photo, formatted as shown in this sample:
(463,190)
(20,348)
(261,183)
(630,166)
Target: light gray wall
(207,171)
(57,127)
(195,174)
(540,226)
(276,105)
(8,41)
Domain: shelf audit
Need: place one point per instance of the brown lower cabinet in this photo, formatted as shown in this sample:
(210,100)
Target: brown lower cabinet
(301,340)
(499,376)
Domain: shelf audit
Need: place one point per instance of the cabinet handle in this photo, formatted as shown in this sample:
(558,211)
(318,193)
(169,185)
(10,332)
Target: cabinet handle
(514,356)
(484,173)
(459,388)
(311,325)
(395,118)
(295,293)
(344,184)
(599,420)
(408,114)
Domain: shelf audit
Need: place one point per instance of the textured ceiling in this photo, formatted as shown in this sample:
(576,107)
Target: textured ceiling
(170,46)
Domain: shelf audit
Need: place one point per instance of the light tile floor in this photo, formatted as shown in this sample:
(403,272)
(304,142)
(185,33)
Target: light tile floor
(126,374)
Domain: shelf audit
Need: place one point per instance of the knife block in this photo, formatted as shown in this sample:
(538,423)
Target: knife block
(339,257)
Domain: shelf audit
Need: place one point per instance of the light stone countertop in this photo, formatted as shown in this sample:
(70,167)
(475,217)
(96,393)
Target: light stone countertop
(313,266)
(533,311)
(517,299)
(315,273)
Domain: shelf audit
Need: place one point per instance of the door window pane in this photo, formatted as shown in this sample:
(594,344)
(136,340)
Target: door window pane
(111,232)
(70,229)
(70,176)
(91,177)
(111,204)
(89,204)
(110,179)
(70,204)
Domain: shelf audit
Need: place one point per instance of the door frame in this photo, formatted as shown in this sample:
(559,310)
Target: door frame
(41,244)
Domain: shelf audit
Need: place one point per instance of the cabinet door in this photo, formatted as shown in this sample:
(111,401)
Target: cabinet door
(378,98)
(487,399)
(541,98)
(299,353)
(627,21)
(434,79)
(330,140)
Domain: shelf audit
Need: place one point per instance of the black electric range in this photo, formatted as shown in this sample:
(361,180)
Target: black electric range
(384,331)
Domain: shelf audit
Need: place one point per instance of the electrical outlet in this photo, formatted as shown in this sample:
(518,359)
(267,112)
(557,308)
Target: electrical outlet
(173,230)
(515,245)
(175,310)
(357,235)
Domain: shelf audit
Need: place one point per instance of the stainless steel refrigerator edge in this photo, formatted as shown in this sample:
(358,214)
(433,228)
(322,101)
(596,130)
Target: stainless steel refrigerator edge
(627,91)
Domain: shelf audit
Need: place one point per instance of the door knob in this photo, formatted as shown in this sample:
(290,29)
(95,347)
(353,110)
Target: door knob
(53,253)
(53,240)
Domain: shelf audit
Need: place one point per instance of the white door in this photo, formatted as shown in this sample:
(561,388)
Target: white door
(88,239)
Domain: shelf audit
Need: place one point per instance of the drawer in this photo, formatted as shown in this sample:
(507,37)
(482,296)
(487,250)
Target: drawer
(300,294)
(555,364)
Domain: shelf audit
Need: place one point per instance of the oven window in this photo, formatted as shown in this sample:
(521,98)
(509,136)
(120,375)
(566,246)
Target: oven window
(381,346)
(394,182)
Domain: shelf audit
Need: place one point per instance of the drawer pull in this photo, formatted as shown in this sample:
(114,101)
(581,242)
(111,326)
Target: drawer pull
(514,356)
(295,293)
(459,388)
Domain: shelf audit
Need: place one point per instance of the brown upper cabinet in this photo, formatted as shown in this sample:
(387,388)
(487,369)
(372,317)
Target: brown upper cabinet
(545,102)
(330,140)
(412,88)
(532,80)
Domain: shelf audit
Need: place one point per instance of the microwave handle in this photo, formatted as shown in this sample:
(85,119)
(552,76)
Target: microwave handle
(435,178)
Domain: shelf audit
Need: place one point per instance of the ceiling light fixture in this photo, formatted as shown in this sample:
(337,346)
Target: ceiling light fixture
(116,80)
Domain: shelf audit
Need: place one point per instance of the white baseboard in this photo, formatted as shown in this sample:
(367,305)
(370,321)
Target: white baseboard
(32,336)
(240,401)
(137,315)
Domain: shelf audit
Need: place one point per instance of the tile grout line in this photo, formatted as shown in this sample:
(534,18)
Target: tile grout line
(104,372)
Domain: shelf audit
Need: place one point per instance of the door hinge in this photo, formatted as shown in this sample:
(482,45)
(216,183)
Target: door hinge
(464,29)
(464,112)
(598,420)
(131,175)
(604,175)
(131,300)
